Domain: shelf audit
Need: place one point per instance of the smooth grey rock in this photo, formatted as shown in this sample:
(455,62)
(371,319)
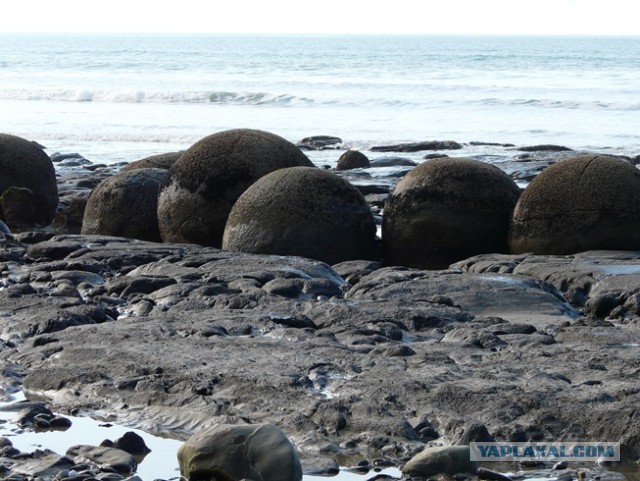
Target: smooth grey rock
(440,460)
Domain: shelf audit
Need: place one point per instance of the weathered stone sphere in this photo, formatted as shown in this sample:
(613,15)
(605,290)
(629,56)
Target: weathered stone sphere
(228,452)
(352,159)
(304,212)
(587,202)
(25,164)
(445,210)
(208,178)
(125,205)
(159,161)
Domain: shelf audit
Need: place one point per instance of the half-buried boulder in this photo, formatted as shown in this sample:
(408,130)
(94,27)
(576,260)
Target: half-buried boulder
(226,452)
(125,205)
(208,178)
(446,210)
(25,164)
(305,212)
(587,202)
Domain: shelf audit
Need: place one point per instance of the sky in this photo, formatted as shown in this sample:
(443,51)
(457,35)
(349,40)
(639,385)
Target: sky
(485,17)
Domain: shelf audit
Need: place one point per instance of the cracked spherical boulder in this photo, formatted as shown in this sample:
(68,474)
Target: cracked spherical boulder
(587,202)
(228,452)
(445,210)
(207,179)
(159,161)
(305,212)
(24,164)
(125,205)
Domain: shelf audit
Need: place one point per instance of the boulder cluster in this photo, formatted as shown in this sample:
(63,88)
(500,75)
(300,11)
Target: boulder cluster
(255,192)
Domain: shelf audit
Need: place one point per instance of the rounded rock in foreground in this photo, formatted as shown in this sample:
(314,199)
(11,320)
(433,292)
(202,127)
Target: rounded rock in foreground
(25,164)
(587,202)
(352,159)
(303,212)
(440,460)
(125,205)
(230,452)
(208,178)
(446,210)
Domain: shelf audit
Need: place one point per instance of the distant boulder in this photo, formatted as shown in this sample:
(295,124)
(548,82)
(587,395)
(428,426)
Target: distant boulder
(352,159)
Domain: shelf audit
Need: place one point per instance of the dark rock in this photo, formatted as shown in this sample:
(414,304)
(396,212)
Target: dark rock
(125,205)
(132,443)
(114,459)
(578,204)
(320,142)
(490,144)
(52,249)
(23,164)
(352,159)
(18,208)
(544,148)
(205,182)
(305,212)
(392,162)
(160,161)
(434,156)
(445,210)
(418,146)
(491,475)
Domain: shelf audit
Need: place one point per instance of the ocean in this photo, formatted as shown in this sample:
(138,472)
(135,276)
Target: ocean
(114,97)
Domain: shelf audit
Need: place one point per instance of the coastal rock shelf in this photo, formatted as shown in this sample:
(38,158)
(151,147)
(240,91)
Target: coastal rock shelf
(351,362)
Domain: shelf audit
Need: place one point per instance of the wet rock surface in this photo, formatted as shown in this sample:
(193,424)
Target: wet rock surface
(371,363)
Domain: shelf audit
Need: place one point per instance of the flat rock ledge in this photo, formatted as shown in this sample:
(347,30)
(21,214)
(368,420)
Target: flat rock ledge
(351,361)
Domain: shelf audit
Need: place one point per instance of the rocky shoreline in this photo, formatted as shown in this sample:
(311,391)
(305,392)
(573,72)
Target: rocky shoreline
(355,362)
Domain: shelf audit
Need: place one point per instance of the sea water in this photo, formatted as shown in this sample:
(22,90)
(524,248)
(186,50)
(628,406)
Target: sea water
(115,97)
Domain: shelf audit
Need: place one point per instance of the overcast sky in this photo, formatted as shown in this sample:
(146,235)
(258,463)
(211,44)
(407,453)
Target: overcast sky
(581,17)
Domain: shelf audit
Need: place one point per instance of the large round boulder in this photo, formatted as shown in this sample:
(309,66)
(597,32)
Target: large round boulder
(445,210)
(228,452)
(204,183)
(586,202)
(302,211)
(125,205)
(24,164)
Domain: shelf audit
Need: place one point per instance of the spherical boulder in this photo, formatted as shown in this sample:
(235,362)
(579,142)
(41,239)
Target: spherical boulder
(24,164)
(305,212)
(353,159)
(445,210)
(208,178)
(125,205)
(230,452)
(159,161)
(586,202)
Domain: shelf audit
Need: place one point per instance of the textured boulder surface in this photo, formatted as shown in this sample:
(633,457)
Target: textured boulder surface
(302,211)
(230,452)
(352,159)
(25,164)
(204,183)
(445,210)
(441,460)
(159,161)
(125,205)
(586,202)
